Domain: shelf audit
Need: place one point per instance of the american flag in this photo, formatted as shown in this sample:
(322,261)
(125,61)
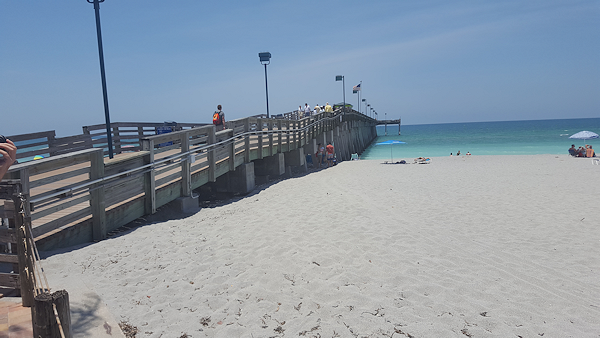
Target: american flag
(356,88)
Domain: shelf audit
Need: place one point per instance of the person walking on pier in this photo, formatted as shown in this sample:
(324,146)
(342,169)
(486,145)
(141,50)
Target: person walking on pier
(317,109)
(329,150)
(306,110)
(328,108)
(219,119)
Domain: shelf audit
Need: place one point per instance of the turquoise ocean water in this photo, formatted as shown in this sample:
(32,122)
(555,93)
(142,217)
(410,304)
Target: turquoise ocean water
(482,138)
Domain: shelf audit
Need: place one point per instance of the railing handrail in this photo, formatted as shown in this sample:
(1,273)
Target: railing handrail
(182,156)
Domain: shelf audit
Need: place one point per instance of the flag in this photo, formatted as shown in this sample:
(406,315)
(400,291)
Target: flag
(355,89)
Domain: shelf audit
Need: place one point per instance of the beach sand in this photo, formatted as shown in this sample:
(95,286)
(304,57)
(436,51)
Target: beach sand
(471,246)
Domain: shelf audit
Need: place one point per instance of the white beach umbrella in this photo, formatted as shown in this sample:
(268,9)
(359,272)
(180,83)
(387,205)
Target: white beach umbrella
(584,135)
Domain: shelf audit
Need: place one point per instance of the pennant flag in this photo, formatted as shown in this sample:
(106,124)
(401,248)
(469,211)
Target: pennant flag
(355,89)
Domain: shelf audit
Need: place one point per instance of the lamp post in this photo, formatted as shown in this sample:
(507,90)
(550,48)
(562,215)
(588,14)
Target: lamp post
(103,76)
(265,59)
(341,78)
(385,124)
(369,109)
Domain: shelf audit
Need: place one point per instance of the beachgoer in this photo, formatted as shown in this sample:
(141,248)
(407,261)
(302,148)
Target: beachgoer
(329,149)
(320,154)
(573,150)
(306,110)
(219,119)
(450,154)
(300,112)
(8,150)
(458,153)
(422,160)
(468,153)
(328,108)
(590,152)
(317,109)
(581,152)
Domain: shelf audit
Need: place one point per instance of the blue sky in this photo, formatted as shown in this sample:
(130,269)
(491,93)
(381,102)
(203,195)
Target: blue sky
(423,61)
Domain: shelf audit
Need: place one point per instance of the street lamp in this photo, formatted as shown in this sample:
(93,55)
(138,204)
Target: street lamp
(265,59)
(341,78)
(103,76)
(369,108)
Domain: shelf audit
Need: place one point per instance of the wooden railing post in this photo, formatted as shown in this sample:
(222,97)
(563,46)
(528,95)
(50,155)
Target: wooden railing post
(186,166)
(52,142)
(279,136)
(97,201)
(259,128)
(247,141)
(44,319)
(270,128)
(211,158)
(116,139)
(149,181)
(232,153)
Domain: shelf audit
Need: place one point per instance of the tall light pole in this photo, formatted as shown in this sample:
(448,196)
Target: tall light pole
(103,76)
(265,59)
(369,109)
(341,78)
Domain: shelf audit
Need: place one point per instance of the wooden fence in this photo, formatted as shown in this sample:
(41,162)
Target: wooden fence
(126,136)
(80,196)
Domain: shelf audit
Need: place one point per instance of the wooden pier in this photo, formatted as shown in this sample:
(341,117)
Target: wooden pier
(386,122)
(77,195)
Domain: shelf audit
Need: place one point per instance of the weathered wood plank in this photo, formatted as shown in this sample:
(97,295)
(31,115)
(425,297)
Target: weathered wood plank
(10,280)
(55,162)
(32,136)
(8,235)
(9,258)
(62,206)
(168,178)
(168,193)
(58,177)
(125,189)
(62,221)
(125,213)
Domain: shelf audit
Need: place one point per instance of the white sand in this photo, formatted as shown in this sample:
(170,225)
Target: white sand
(479,246)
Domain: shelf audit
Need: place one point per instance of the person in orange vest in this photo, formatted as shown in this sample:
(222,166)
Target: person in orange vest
(219,118)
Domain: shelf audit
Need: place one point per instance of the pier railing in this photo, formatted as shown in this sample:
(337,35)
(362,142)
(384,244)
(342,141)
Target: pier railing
(81,196)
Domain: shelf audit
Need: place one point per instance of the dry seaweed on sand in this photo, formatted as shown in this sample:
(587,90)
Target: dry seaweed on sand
(129,330)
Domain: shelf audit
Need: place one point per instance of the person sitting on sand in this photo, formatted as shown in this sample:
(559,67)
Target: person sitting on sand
(573,150)
(589,152)
(422,159)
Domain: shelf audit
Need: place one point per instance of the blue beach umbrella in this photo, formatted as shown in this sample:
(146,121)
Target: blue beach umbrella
(584,135)
(390,142)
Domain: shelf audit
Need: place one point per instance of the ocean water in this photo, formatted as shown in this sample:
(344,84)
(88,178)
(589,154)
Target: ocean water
(482,138)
